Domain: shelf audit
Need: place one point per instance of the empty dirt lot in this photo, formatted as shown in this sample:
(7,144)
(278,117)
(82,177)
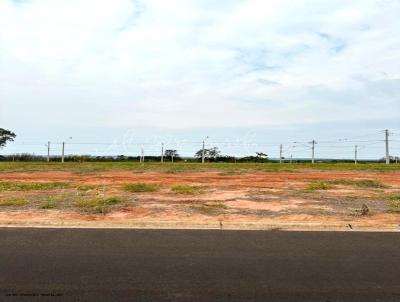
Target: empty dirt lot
(208,197)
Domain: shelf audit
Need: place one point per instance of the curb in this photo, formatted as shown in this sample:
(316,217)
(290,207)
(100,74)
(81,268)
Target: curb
(208,226)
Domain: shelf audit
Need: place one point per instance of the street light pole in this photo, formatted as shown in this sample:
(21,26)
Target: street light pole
(62,153)
(387,146)
(48,151)
(355,154)
(203,151)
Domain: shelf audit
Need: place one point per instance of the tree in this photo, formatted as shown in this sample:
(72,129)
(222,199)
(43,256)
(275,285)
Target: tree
(208,153)
(171,154)
(261,155)
(199,153)
(6,136)
(214,152)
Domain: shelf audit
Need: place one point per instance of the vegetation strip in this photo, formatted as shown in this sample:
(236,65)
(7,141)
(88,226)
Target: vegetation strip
(31,186)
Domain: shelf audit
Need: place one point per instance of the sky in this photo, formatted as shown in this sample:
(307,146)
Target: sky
(250,74)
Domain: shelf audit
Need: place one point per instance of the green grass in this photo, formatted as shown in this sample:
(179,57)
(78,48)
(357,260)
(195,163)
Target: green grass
(186,189)
(319,185)
(86,187)
(141,187)
(394,197)
(31,186)
(51,201)
(394,206)
(14,202)
(330,184)
(48,204)
(98,204)
(86,167)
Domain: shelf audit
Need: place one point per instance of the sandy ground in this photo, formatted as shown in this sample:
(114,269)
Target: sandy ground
(256,200)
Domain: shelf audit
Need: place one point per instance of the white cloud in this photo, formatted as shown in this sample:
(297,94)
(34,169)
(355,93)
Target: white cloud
(186,64)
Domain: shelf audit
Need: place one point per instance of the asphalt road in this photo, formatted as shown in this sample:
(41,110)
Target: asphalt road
(195,265)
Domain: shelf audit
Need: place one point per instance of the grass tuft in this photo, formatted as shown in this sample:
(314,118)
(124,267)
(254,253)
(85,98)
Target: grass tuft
(48,204)
(14,202)
(86,187)
(51,201)
(394,206)
(99,204)
(394,197)
(141,187)
(186,189)
(319,185)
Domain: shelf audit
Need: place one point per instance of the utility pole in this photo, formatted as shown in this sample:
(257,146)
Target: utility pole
(387,146)
(291,158)
(63,149)
(313,151)
(280,153)
(48,151)
(162,152)
(355,154)
(62,153)
(142,156)
(202,153)
(172,157)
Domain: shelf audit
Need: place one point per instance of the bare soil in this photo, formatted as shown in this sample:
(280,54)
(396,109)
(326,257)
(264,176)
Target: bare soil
(241,200)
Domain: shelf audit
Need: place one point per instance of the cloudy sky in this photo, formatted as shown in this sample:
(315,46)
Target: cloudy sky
(258,70)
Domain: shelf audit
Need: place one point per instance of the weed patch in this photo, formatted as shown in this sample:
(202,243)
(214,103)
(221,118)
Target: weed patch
(141,187)
(48,204)
(99,204)
(319,185)
(394,206)
(189,190)
(51,201)
(86,187)
(394,197)
(14,202)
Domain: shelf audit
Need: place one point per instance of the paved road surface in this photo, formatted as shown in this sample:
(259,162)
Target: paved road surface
(189,265)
